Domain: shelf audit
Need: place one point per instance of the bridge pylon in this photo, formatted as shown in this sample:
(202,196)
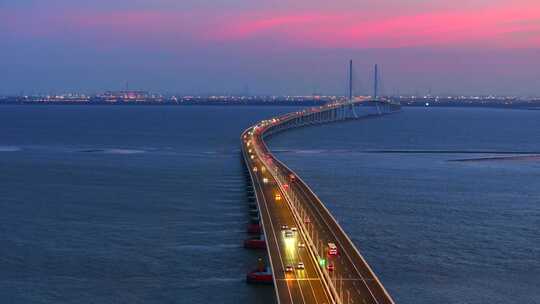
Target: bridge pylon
(351,89)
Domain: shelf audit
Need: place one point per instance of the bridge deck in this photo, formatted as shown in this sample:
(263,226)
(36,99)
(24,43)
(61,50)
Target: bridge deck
(352,280)
(302,286)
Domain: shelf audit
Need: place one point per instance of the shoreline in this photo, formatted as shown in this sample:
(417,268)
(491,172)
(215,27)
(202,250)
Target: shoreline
(535,107)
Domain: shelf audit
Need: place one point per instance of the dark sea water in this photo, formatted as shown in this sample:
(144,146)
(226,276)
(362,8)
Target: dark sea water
(434,230)
(147,204)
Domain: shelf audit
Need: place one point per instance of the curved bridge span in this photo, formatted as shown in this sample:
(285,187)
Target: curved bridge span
(311,257)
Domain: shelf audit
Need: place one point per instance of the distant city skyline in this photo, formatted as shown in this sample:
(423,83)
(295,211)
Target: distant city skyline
(276,47)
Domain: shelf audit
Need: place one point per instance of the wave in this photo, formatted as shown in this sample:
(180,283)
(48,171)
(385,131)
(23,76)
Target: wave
(221,223)
(221,152)
(220,280)
(233,214)
(124,151)
(113,151)
(452,151)
(282,150)
(9,149)
(213,281)
(401,151)
(215,232)
(207,248)
(226,200)
(535,157)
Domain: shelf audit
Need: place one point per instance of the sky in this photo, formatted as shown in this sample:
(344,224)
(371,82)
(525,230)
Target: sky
(268,47)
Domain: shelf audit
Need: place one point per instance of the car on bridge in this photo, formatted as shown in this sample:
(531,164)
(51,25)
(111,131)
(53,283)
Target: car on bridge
(332,249)
(289,233)
(278,197)
(289,268)
(300,265)
(331,267)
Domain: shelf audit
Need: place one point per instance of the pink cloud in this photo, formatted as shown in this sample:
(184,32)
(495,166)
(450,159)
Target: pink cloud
(509,26)
(489,27)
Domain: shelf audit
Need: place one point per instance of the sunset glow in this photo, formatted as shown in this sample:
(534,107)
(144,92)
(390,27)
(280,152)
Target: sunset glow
(505,26)
(179,30)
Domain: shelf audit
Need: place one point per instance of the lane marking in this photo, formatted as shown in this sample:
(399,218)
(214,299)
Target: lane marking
(311,255)
(269,189)
(274,235)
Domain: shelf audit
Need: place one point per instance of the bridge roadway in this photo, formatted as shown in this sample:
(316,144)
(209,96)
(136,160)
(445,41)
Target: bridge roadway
(352,280)
(302,286)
